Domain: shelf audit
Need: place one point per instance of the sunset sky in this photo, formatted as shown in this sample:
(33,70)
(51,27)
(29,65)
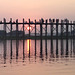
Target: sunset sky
(36,9)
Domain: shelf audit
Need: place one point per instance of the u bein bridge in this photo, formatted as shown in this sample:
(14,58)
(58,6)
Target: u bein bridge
(57,30)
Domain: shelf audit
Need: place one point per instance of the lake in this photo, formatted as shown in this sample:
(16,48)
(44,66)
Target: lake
(37,57)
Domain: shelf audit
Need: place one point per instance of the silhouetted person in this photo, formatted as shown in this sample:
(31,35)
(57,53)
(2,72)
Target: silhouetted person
(41,20)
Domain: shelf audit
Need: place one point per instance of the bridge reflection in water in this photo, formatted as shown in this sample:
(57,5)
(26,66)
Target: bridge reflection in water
(21,50)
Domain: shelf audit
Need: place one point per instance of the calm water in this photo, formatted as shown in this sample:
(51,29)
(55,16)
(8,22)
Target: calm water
(37,57)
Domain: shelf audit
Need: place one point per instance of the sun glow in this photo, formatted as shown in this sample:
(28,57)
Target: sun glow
(28,28)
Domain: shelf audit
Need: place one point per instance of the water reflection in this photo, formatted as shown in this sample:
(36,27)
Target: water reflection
(4,45)
(36,49)
(28,46)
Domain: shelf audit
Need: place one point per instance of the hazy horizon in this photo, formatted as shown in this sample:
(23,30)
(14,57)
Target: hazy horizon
(36,9)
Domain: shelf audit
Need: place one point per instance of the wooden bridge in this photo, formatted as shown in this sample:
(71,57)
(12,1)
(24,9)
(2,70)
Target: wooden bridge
(63,29)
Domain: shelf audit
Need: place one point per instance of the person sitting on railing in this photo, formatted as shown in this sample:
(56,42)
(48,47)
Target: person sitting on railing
(41,20)
(0,21)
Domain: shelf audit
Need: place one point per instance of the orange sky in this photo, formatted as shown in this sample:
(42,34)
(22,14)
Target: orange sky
(36,9)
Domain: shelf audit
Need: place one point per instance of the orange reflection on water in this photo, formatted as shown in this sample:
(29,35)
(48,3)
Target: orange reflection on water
(28,45)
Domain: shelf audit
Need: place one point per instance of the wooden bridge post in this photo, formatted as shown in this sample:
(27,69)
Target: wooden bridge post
(71,37)
(23,41)
(11,27)
(35,38)
(41,38)
(11,37)
(29,38)
(62,36)
(46,38)
(74,29)
(74,37)
(41,30)
(4,28)
(17,32)
(17,39)
(46,29)
(51,28)
(4,42)
(23,29)
(67,21)
(57,21)
(29,28)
